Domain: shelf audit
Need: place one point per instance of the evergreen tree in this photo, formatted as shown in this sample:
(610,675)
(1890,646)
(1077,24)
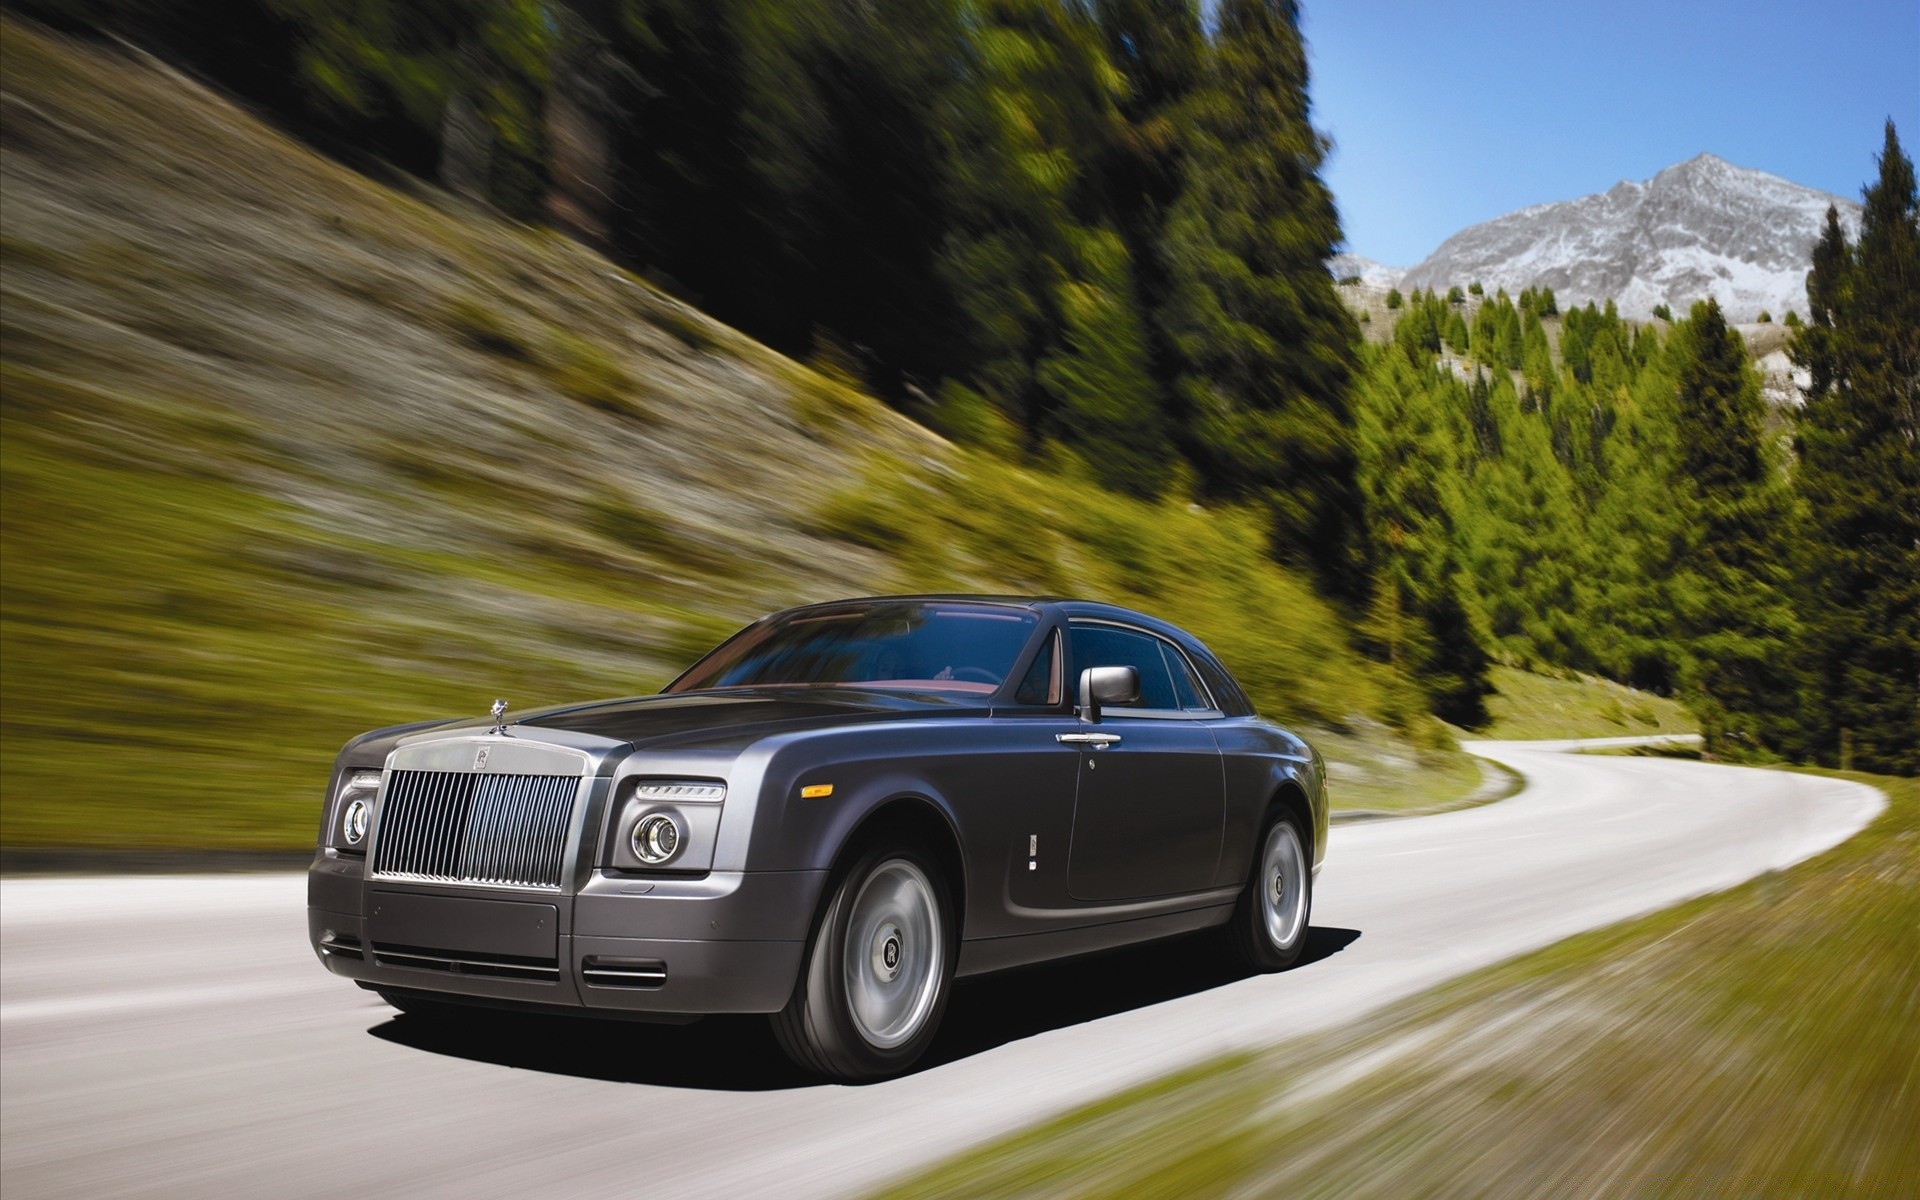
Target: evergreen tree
(1733,615)
(1159,48)
(1524,540)
(1411,476)
(1098,372)
(1268,350)
(1509,347)
(1636,536)
(1859,478)
(1039,109)
(466,76)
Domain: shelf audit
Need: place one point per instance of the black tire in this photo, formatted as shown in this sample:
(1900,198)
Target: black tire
(1269,925)
(832,1025)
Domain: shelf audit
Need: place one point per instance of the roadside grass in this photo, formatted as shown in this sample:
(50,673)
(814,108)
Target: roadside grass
(1373,772)
(1760,1041)
(289,454)
(1526,706)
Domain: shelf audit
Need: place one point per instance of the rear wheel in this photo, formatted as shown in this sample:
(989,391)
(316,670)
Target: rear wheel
(876,977)
(1269,927)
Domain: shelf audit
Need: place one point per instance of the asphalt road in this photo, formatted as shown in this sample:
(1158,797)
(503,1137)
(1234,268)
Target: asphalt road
(170,1036)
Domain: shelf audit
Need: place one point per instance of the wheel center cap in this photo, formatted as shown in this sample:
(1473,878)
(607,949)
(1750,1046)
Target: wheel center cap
(1279,887)
(889,948)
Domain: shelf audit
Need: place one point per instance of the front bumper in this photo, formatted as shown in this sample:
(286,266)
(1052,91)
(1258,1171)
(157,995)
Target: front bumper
(730,942)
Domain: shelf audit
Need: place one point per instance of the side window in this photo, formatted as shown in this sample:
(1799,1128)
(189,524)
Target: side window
(1042,682)
(1186,689)
(1106,646)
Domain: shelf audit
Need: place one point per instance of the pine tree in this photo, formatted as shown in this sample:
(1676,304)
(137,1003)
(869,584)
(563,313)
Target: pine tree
(1733,613)
(1159,49)
(1636,534)
(1098,372)
(470,75)
(1508,343)
(1268,349)
(1039,108)
(1524,541)
(1411,474)
(1859,478)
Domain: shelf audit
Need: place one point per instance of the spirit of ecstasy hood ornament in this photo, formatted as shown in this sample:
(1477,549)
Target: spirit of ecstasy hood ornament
(499,718)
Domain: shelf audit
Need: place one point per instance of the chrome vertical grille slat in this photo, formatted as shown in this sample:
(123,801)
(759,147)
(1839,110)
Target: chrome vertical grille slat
(460,827)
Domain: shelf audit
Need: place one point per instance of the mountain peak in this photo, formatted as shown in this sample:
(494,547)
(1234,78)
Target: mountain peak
(1703,227)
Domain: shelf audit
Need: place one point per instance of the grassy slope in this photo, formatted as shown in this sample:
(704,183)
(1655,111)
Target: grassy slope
(1535,706)
(1763,1041)
(289,454)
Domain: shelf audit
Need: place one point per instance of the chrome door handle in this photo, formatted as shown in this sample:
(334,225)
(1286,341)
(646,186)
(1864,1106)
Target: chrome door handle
(1099,741)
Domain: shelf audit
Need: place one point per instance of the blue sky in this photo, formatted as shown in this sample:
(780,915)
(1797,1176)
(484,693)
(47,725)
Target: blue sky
(1445,114)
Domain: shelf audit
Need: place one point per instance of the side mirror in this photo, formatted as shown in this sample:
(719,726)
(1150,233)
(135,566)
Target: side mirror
(1106,685)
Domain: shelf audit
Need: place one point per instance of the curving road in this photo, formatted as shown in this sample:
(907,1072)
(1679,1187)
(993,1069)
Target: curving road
(167,1036)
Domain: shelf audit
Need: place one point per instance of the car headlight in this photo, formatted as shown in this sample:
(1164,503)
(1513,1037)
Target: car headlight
(666,824)
(657,837)
(698,793)
(355,807)
(353,822)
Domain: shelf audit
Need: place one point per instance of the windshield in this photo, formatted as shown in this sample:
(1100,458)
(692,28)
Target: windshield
(892,644)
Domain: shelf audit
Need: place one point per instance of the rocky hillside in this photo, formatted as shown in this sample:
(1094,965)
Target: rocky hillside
(1702,228)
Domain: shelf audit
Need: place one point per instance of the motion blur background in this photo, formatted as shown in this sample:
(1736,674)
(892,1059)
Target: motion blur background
(366,361)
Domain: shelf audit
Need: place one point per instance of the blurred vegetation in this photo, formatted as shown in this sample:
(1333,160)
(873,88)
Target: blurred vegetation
(1761,1041)
(1098,229)
(1858,585)
(1527,705)
(290,454)
(336,440)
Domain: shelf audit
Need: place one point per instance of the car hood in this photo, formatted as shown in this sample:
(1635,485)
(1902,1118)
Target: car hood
(741,715)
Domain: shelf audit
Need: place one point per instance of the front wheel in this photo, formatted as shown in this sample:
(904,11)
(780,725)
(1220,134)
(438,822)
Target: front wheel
(1270,923)
(875,981)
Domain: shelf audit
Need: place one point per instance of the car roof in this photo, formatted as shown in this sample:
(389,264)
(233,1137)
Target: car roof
(1067,606)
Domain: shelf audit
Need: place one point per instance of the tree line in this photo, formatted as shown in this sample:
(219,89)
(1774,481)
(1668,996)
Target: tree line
(1090,224)
(1630,506)
(1099,226)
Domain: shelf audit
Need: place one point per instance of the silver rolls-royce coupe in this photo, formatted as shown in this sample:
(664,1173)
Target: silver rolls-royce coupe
(828,819)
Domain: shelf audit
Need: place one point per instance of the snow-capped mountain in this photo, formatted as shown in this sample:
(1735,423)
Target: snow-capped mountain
(1371,273)
(1702,228)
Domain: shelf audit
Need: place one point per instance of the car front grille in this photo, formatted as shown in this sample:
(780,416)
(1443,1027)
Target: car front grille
(455,827)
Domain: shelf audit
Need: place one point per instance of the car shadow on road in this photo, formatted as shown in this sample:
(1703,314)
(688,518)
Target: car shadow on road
(739,1053)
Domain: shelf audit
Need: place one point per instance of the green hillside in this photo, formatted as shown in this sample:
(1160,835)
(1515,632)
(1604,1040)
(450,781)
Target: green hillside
(290,453)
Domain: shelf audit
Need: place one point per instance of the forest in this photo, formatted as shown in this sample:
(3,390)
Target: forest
(1098,228)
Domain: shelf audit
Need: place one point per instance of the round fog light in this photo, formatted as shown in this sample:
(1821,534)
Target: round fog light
(353,823)
(656,838)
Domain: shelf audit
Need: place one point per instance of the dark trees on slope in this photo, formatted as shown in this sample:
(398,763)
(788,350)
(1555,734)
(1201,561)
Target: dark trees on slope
(1267,349)
(1859,478)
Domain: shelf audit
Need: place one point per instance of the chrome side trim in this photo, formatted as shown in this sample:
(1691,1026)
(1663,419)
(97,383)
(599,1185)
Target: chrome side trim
(431,960)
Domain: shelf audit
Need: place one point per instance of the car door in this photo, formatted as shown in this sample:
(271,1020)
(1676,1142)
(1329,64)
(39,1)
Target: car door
(1151,802)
